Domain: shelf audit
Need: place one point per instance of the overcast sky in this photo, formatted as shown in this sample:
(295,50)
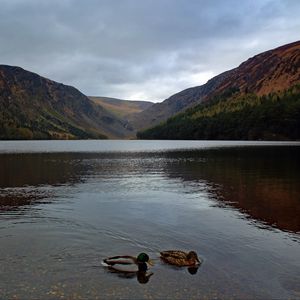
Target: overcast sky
(140,49)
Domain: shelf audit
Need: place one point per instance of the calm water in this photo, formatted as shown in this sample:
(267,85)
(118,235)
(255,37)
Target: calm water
(66,205)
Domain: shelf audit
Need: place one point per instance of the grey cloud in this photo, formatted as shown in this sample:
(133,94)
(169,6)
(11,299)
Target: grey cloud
(151,48)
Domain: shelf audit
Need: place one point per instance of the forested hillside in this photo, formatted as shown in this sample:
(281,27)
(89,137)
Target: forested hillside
(235,116)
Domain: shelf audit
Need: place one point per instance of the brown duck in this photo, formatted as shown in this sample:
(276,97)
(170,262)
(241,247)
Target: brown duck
(180,258)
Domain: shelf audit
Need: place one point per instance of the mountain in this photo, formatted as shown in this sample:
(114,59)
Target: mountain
(33,107)
(121,108)
(179,102)
(270,71)
(260,99)
(263,88)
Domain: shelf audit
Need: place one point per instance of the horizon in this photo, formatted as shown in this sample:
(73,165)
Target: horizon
(140,51)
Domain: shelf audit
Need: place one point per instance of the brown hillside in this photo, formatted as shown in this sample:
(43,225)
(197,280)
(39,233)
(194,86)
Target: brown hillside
(121,108)
(35,107)
(269,71)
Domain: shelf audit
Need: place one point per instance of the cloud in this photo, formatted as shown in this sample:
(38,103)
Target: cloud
(146,49)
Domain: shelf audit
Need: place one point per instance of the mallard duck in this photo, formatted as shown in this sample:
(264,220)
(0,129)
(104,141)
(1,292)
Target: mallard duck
(180,258)
(128,264)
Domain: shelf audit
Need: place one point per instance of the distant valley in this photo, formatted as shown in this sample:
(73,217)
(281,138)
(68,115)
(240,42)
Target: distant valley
(121,108)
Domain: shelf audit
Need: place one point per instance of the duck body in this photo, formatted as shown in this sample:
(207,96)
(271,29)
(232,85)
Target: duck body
(127,263)
(123,263)
(180,258)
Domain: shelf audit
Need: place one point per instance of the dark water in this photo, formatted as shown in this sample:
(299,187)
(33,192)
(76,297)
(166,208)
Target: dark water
(66,205)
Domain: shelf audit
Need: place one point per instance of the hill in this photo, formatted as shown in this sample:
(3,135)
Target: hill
(121,108)
(270,71)
(257,100)
(33,107)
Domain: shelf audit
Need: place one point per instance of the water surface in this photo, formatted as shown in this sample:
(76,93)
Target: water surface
(65,205)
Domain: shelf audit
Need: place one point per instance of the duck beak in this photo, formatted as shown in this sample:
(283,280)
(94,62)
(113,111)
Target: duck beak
(150,262)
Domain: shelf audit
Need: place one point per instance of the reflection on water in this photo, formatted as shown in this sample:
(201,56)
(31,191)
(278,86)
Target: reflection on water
(39,169)
(261,183)
(15,200)
(142,277)
(62,213)
(24,179)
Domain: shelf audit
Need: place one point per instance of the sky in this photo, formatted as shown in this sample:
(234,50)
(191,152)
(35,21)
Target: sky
(140,49)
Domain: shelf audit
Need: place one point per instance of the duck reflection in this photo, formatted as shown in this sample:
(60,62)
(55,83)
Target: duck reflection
(193,270)
(142,276)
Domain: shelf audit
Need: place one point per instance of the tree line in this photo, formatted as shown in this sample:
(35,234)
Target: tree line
(236,116)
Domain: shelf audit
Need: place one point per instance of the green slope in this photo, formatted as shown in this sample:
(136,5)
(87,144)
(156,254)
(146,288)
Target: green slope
(236,116)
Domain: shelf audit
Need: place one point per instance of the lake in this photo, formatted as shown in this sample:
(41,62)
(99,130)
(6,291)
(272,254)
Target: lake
(66,205)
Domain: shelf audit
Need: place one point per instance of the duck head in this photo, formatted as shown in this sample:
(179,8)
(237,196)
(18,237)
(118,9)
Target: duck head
(143,258)
(193,258)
